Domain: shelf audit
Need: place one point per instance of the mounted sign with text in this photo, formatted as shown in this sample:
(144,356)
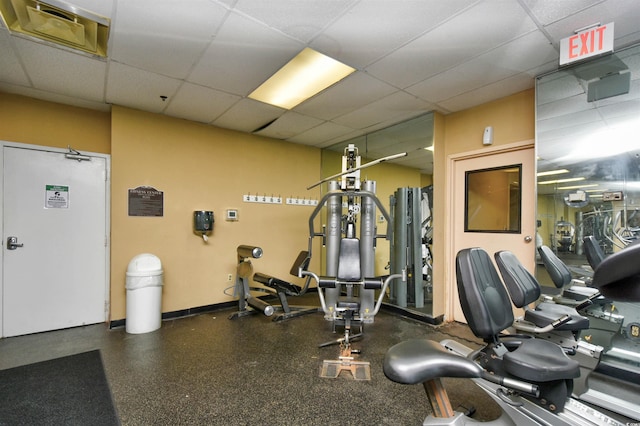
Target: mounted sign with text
(586,43)
(146,201)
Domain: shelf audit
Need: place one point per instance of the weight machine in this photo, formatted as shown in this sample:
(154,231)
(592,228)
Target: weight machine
(347,289)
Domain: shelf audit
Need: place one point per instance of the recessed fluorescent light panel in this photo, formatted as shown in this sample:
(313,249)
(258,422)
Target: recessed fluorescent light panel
(553,172)
(549,182)
(57,22)
(307,74)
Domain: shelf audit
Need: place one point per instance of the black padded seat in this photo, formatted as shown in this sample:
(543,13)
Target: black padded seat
(524,289)
(546,313)
(277,284)
(350,303)
(540,361)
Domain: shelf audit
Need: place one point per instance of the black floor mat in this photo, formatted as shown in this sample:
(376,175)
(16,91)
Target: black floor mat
(71,390)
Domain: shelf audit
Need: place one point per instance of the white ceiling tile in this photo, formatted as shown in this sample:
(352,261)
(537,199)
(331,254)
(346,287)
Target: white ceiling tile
(53,97)
(355,91)
(51,69)
(396,107)
(514,84)
(454,42)
(160,37)
(247,116)
(242,56)
(11,69)
(317,136)
(565,85)
(563,106)
(288,125)
(299,19)
(139,89)
(574,119)
(496,65)
(197,103)
(623,109)
(374,28)
(549,11)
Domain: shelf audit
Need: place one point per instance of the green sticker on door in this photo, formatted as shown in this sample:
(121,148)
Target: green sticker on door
(56,197)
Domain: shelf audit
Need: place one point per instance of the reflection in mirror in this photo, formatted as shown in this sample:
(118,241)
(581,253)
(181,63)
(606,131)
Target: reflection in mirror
(588,199)
(404,187)
(492,200)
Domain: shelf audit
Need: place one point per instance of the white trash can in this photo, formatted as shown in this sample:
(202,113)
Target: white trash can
(144,294)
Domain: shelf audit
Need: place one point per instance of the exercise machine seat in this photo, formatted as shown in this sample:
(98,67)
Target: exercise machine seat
(277,284)
(618,275)
(487,308)
(420,360)
(524,289)
(593,251)
(483,299)
(558,271)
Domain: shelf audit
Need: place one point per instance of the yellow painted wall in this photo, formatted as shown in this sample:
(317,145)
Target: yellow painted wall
(513,120)
(201,167)
(35,122)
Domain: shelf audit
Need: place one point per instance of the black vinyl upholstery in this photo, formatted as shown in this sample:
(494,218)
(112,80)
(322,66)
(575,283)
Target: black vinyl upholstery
(484,301)
(524,289)
(349,260)
(593,251)
(618,275)
(487,308)
(558,271)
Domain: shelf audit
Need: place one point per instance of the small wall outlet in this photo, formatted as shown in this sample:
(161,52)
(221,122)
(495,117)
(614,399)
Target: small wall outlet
(229,277)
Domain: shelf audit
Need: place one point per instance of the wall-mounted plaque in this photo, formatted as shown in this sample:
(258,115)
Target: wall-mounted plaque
(146,201)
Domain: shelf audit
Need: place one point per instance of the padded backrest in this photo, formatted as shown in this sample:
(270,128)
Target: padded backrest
(349,260)
(523,287)
(558,271)
(618,275)
(594,252)
(483,298)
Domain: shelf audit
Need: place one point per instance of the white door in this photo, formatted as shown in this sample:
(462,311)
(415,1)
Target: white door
(56,208)
(521,243)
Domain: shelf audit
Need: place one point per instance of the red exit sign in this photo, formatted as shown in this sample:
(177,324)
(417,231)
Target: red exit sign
(585,44)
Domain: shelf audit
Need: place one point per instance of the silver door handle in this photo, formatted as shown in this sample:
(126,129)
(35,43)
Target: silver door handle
(12,243)
(528,239)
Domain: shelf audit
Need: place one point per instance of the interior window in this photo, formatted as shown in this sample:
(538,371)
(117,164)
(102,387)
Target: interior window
(492,200)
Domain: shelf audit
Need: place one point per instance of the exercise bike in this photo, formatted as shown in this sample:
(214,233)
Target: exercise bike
(530,379)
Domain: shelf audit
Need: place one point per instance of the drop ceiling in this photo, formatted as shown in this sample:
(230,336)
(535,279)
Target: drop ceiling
(199,59)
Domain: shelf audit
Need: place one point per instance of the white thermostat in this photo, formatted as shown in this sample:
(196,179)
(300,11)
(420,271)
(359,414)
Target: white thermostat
(232,215)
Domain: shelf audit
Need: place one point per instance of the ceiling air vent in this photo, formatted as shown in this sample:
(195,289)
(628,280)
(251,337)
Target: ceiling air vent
(59,23)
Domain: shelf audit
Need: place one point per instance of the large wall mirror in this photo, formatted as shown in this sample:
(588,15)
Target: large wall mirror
(588,149)
(415,137)
(587,128)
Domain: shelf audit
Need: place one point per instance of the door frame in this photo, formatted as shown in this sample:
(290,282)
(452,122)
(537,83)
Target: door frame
(107,159)
(450,227)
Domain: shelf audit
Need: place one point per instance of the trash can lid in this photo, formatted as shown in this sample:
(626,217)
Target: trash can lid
(144,263)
